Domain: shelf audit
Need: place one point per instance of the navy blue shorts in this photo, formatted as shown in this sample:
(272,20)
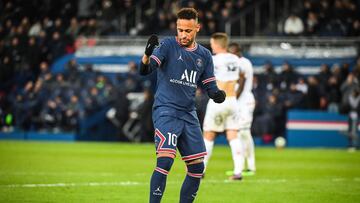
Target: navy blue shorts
(173,133)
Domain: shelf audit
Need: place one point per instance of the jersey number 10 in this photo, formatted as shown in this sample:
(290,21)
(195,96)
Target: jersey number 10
(172,139)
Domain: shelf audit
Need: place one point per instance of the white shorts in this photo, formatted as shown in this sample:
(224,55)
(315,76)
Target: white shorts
(246,106)
(221,117)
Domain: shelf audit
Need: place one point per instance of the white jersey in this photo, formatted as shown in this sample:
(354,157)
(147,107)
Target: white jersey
(221,117)
(246,101)
(247,69)
(227,67)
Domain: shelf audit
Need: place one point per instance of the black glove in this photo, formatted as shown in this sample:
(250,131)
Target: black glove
(152,42)
(218,97)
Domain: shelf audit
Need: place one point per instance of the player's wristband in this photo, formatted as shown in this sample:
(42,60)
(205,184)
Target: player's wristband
(144,69)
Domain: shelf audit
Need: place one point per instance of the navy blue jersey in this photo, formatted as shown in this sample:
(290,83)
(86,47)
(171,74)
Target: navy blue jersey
(179,71)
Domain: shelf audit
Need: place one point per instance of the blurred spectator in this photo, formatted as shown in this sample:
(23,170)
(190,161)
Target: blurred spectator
(293,25)
(347,88)
(56,47)
(72,72)
(324,74)
(270,77)
(32,56)
(107,18)
(308,7)
(355,28)
(93,101)
(35,29)
(6,72)
(293,98)
(72,113)
(313,95)
(90,28)
(52,114)
(259,91)
(86,8)
(311,23)
(119,111)
(333,94)
(302,86)
(131,79)
(73,29)
(353,102)
(269,122)
(324,11)
(356,69)
(145,114)
(287,76)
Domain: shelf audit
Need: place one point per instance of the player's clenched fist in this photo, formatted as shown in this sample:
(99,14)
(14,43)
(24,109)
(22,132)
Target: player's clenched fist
(152,42)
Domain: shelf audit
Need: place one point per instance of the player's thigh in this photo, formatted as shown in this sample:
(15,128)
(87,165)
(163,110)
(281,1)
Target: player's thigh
(231,134)
(233,119)
(210,135)
(167,131)
(191,143)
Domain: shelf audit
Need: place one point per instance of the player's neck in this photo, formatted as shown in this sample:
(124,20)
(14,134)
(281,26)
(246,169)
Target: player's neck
(221,51)
(192,45)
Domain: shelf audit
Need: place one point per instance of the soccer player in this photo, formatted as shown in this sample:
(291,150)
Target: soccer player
(223,117)
(246,106)
(181,65)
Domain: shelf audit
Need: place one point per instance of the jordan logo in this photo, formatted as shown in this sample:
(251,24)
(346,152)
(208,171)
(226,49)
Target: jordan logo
(157,191)
(180,58)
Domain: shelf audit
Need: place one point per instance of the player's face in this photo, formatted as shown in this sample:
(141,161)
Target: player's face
(186,31)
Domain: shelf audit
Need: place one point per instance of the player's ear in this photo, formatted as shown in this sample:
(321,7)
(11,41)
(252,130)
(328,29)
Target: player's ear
(198,27)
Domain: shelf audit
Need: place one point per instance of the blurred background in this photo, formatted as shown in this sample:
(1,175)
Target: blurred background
(68,69)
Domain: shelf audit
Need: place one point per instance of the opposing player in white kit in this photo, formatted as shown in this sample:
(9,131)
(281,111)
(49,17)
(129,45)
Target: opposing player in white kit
(246,106)
(223,117)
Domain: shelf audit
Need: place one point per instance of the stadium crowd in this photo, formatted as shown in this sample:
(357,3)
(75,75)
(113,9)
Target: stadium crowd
(33,34)
(325,18)
(329,90)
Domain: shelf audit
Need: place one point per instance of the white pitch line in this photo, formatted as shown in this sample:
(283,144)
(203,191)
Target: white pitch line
(90,184)
(58,174)
(128,183)
(134,183)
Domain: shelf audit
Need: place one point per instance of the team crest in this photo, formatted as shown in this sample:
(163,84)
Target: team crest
(199,63)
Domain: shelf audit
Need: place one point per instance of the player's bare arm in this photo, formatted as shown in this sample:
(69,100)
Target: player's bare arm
(241,83)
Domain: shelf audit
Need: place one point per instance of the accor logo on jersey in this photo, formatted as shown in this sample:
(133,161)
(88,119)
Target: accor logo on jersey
(188,78)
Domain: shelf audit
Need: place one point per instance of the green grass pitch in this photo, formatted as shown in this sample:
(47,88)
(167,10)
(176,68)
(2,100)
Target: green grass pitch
(115,172)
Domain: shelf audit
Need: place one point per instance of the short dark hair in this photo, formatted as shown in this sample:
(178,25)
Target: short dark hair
(236,47)
(188,14)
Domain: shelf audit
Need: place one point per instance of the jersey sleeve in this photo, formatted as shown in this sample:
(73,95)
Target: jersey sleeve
(207,78)
(160,54)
